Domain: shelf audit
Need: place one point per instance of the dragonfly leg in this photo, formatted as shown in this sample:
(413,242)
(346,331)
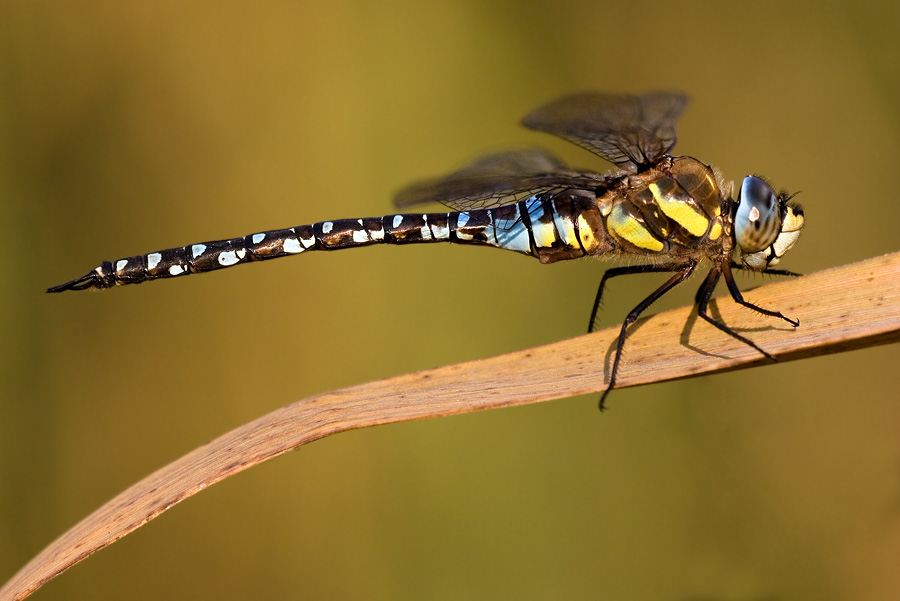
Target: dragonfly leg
(626,270)
(739,299)
(683,272)
(704,294)
(767,271)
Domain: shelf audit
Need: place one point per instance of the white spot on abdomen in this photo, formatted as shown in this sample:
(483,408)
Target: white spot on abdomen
(327,227)
(228,258)
(120,264)
(153,260)
(257,238)
(360,236)
(176,270)
(292,245)
(197,250)
(398,219)
(441,232)
(425,230)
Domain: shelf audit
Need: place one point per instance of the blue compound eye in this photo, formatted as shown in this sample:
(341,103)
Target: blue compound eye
(757,221)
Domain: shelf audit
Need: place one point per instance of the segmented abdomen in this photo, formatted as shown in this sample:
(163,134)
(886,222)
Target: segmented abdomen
(548,227)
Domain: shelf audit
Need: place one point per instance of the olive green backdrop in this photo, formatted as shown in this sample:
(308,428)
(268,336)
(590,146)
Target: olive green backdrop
(126,127)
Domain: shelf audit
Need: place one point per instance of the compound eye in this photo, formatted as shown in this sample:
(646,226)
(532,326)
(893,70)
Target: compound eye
(757,221)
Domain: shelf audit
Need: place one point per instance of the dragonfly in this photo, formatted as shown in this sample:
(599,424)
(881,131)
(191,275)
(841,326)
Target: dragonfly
(661,212)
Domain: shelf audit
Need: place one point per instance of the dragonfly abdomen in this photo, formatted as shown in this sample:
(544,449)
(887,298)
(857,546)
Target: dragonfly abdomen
(542,227)
(262,246)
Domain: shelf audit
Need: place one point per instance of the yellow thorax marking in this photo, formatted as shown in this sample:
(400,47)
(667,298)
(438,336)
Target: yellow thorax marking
(629,228)
(687,216)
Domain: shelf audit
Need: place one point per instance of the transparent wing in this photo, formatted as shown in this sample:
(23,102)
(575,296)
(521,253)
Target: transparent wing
(498,179)
(632,132)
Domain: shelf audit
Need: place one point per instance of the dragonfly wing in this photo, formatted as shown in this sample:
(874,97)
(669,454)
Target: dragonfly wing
(497,180)
(632,132)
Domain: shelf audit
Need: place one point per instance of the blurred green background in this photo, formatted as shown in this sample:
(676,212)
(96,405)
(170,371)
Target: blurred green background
(127,127)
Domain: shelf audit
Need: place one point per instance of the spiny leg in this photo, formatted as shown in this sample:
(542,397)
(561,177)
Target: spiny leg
(684,271)
(738,298)
(627,270)
(704,294)
(767,271)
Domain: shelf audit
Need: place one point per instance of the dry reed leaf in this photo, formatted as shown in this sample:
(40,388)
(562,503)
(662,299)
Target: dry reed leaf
(840,309)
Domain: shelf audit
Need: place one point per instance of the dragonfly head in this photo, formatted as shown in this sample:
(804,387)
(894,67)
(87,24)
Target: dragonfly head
(766,224)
